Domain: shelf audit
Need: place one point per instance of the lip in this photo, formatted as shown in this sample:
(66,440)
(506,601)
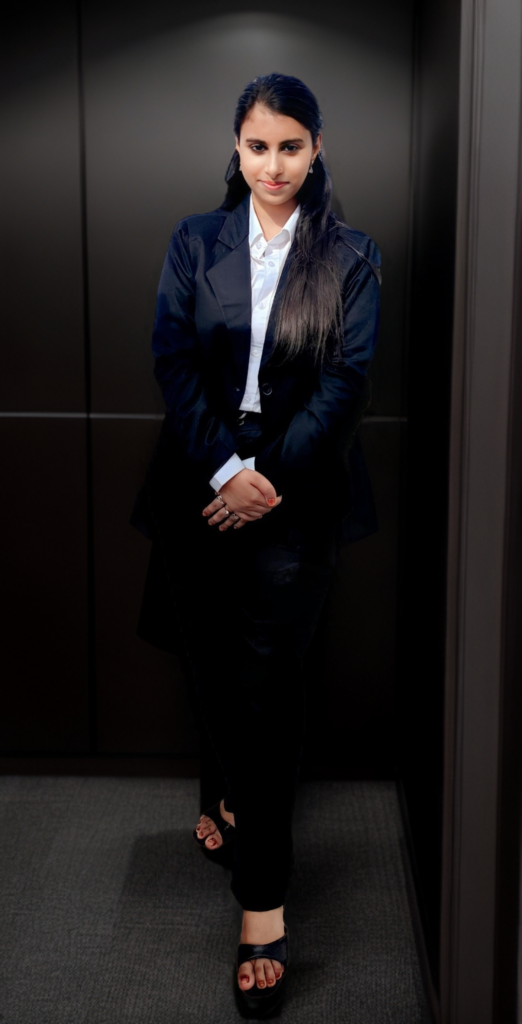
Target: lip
(274,186)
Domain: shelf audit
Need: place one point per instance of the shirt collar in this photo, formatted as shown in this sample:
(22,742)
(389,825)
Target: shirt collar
(255,233)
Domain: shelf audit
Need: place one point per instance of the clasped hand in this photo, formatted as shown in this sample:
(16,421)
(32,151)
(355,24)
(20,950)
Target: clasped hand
(249,494)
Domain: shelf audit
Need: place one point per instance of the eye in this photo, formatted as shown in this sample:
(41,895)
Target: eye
(257,147)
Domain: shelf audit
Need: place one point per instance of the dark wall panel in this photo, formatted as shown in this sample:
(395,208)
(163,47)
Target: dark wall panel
(353,659)
(40,237)
(160,90)
(142,700)
(44,699)
(160,96)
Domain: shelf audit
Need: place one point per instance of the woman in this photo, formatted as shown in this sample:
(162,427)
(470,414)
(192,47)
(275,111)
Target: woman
(266,323)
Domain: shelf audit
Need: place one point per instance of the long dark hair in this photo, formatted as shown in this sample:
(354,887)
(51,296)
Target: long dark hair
(310,313)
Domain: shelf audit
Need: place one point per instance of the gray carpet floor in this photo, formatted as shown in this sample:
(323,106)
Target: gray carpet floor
(110,914)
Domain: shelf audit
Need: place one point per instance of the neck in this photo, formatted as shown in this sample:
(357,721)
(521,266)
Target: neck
(273,218)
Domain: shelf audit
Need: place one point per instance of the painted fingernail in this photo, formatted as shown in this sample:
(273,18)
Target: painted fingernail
(271,501)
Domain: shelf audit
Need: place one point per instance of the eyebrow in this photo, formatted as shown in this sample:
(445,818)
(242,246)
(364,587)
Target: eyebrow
(282,143)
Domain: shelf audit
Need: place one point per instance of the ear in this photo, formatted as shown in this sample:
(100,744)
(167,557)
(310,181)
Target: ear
(317,146)
(237,142)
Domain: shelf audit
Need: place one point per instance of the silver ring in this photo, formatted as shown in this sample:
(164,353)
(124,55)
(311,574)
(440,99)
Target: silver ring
(220,498)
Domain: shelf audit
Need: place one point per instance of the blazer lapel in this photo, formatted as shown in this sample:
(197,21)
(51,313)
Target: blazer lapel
(230,278)
(231,283)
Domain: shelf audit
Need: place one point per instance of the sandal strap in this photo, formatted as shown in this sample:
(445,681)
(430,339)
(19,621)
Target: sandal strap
(215,814)
(276,950)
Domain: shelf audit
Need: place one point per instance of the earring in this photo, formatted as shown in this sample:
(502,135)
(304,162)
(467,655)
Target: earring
(311,168)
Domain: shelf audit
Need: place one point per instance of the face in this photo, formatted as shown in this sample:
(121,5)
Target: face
(275,153)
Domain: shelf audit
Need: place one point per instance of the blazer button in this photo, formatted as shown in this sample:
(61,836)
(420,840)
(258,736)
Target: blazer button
(266,389)
(236,389)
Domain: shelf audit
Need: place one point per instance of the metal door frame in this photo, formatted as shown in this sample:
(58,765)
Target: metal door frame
(483,525)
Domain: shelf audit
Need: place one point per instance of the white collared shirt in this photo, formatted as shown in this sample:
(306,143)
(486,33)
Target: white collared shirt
(266,263)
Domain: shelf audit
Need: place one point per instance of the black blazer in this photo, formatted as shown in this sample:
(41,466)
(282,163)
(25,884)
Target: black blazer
(201,344)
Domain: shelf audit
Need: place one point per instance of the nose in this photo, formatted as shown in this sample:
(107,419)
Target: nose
(274,164)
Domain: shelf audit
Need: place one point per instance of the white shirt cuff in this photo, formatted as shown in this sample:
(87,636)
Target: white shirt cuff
(225,472)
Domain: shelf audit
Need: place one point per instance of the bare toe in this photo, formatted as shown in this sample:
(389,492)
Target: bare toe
(269,973)
(246,975)
(260,973)
(214,839)
(204,826)
(278,968)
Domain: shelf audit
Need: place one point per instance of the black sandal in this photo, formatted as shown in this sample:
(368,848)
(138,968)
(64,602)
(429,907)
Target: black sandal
(227,830)
(265,999)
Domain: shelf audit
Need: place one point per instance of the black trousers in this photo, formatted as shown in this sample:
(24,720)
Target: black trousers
(248,604)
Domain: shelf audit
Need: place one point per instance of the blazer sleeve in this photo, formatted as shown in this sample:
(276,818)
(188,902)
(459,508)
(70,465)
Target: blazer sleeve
(205,440)
(329,418)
